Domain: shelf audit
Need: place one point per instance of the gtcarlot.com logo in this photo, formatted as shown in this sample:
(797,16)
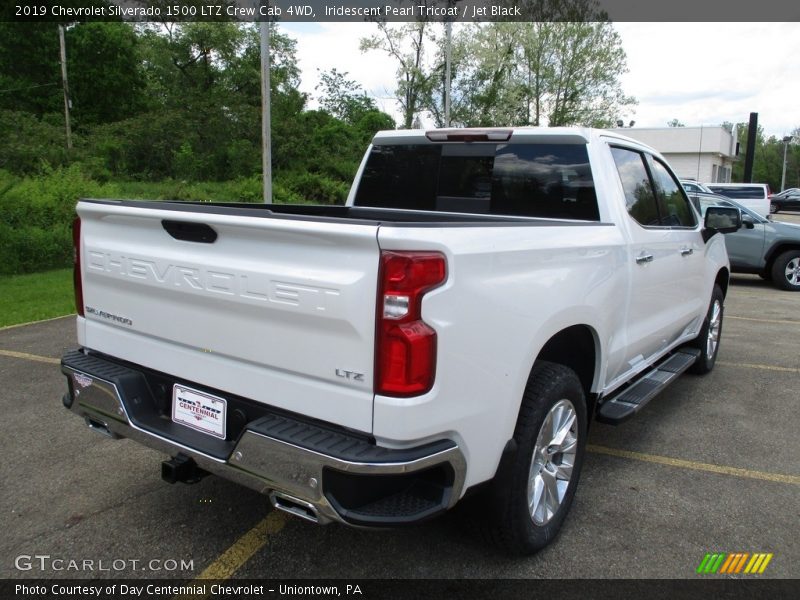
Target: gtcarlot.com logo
(46,562)
(734,563)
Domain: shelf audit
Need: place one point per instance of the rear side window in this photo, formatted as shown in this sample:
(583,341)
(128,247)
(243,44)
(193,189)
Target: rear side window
(640,197)
(530,180)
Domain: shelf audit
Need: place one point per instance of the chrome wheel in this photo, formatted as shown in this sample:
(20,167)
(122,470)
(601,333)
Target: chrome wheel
(714,326)
(792,272)
(552,463)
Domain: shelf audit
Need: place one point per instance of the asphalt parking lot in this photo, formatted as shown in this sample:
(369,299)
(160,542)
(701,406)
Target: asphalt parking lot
(712,465)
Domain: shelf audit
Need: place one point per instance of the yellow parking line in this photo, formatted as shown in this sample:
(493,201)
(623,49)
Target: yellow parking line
(35,322)
(230,561)
(34,357)
(242,550)
(780,321)
(762,367)
(695,466)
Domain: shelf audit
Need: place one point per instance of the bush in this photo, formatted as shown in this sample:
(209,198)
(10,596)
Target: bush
(27,142)
(36,212)
(315,188)
(36,215)
(29,249)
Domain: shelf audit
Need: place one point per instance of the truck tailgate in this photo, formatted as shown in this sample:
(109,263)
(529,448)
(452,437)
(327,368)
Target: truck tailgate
(278,310)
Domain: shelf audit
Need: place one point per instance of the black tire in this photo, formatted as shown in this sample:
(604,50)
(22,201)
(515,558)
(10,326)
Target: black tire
(773,208)
(511,524)
(787,261)
(708,356)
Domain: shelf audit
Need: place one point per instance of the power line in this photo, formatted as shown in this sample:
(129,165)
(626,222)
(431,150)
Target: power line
(30,87)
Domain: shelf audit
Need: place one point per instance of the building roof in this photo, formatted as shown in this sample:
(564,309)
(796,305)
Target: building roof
(713,139)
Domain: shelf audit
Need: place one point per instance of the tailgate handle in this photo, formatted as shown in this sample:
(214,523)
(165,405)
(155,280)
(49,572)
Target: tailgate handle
(190,232)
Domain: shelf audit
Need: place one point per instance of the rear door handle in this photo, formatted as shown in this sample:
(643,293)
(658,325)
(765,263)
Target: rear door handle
(644,258)
(686,251)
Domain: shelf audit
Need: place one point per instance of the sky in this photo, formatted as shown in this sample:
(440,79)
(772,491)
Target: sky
(698,73)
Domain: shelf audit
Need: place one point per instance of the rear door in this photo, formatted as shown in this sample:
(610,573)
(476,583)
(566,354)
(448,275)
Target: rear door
(663,252)
(278,310)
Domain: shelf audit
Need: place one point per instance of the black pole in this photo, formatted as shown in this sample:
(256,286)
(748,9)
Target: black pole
(752,133)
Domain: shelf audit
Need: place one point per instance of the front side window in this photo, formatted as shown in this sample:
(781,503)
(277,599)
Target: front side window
(674,205)
(640,197)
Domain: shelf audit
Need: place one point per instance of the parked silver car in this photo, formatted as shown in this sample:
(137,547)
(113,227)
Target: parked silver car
(767,248)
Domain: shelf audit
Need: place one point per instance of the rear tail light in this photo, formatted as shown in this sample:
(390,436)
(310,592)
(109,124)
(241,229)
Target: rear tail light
(76,265)
(405,351)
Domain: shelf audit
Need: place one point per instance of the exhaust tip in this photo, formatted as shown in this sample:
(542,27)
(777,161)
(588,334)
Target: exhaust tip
(294,506)
(101,428)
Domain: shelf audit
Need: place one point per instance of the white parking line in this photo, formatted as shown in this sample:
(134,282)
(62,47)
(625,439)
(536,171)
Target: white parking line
(35,322)
(762,367)
(778,321)
(33,357)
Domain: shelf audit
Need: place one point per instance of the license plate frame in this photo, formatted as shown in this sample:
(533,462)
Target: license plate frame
(199,410)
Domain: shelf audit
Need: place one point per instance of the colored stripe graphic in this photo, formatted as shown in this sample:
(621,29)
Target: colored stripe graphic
(724,563)
(732,558)
(702,567)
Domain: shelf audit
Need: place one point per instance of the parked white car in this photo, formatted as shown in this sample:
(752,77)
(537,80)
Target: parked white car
(754,196)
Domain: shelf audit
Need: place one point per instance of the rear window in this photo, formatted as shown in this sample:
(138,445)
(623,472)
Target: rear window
(740,191)
(529,180)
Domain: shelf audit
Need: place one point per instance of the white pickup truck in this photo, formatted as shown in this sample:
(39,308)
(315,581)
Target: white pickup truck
(483,295)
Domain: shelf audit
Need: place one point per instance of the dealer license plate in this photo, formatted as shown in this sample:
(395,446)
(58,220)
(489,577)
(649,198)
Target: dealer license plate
(199,410)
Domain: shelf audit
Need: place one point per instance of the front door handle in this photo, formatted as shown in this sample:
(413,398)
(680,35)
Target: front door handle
(644,258)
(686,251)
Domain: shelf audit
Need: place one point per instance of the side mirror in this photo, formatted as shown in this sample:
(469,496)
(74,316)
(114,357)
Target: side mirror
(721,219)
(747,222)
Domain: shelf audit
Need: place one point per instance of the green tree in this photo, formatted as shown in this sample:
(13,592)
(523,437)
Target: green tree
(106,81)
(30,75)
(563,67)
(342,97)
(407,45)
(487,88)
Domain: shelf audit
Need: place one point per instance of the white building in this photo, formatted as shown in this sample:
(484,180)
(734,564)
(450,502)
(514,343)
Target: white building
(704,153)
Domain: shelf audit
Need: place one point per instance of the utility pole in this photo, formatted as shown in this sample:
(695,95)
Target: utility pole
(63,48)
(786,141)
(752,134)
(448,27)
(266,118)
(449,30)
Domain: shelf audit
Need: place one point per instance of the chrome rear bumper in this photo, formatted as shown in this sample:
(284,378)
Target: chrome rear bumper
(279,456)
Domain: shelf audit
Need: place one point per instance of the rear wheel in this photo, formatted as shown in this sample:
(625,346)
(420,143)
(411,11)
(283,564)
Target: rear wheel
(773,208)
(532,494)
(708,339)
(786,271)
